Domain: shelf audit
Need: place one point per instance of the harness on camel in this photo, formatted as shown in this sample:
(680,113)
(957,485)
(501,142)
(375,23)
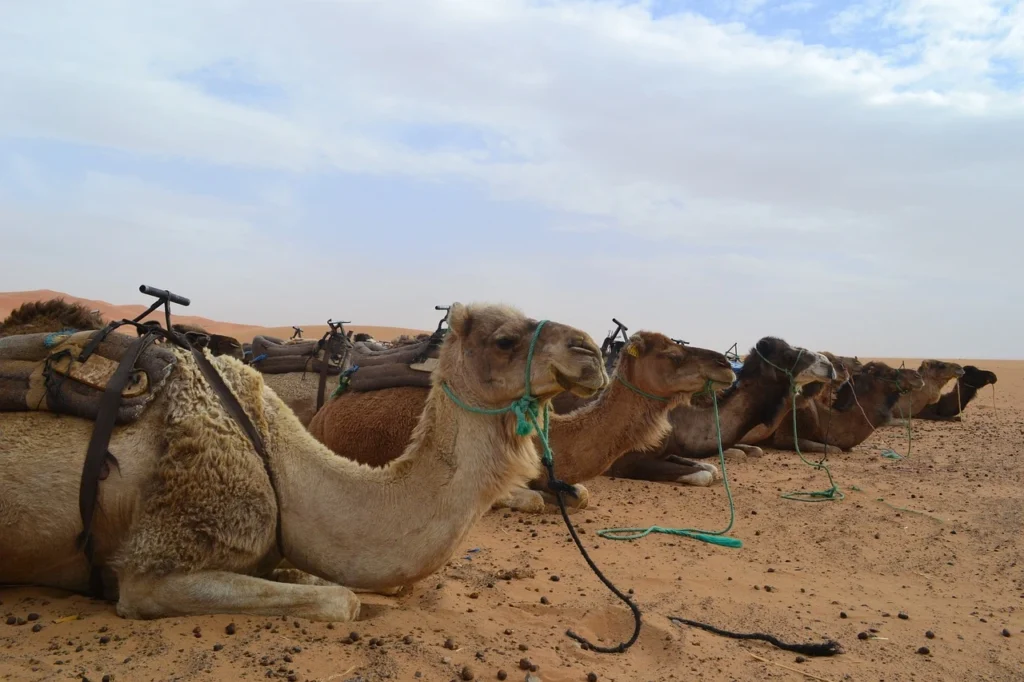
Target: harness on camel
(97,455)
(327,356)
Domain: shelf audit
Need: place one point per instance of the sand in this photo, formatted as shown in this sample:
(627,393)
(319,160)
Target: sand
(936,537)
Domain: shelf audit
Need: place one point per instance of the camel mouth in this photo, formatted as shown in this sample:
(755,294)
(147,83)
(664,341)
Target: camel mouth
(959,372)
(583,386)
(720,375)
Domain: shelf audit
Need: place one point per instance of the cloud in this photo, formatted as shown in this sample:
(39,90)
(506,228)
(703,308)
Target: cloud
(876,172)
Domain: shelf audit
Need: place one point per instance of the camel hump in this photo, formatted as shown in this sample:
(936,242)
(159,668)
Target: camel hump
(43,372)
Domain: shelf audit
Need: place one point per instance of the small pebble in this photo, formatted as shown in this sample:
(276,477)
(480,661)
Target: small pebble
(545,600)
(218,647)
(930,634)
(862,635)
(11,620)
(33,616)
(800,659)
(502,675)
(467,674)
(591,677)
(1006,632)
(524,664)
(407,639)
(230,629)
(523,647)
(104,639)
(38,626)
(449,644)
(924,651)
(842,614)
(903,616)
(555,578)
(354,636)
(106,678)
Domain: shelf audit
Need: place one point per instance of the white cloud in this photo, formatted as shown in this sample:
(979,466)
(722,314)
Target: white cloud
(902,161)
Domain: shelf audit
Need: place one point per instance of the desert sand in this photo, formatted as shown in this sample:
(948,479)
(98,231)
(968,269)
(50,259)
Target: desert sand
(928,544)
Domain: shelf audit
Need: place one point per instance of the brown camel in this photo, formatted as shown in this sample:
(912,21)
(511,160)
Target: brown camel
(188,521)
(52,315)
(759,397)
(652,375)
(936,374)
(860,406)
(949,406)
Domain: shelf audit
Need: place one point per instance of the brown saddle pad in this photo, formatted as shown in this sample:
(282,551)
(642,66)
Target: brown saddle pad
(42,372)
(409,365)
(276,356)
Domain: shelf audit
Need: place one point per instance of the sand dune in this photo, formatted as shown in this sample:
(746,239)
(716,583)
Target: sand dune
(243,332)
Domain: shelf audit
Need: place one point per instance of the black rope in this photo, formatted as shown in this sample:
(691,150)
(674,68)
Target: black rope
(558,487)
(829,648)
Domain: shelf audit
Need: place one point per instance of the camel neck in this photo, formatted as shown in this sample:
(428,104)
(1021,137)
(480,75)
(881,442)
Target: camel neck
(743,408)
(588,440)
(407,517)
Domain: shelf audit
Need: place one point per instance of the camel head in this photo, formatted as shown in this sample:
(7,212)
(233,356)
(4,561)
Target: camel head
(483,358)
(843,371)
(656,364)
(52,315)
(772,357)
(940,371)
(899,380)
(978,378)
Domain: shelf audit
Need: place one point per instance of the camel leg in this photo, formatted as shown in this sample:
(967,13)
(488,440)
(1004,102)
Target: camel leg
(220,592)
(661,470)
(706,466)
(807,445)
(294,576)
(750,450)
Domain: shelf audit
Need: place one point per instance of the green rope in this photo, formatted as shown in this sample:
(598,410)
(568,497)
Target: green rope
(638,391)
(833,492)
(709,536)
(889,453)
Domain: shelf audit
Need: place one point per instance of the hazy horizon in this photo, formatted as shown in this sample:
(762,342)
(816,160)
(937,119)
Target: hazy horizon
(842,175)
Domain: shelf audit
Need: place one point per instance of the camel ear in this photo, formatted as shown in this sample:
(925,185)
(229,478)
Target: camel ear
(636,346)
(459,320)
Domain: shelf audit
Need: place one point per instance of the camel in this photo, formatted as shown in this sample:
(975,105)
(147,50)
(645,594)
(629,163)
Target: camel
(188,521)
(936,374)
(762,435)
(651,377)
(759,397)
(52,315)
(860,406)
(950,405)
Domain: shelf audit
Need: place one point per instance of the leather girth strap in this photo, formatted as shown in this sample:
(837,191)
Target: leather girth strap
(97,452)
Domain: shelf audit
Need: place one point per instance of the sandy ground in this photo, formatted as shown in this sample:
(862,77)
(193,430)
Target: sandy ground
(936,537)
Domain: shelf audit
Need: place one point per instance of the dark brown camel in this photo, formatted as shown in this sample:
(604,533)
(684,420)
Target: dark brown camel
(860,406)
(53,315)
(949,406)
(759,396)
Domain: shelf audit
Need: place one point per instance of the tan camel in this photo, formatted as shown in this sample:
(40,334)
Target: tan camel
(760,396)
(653,375)
(860,406)
(936,374)
(188,522)
(52,315)
(950,405)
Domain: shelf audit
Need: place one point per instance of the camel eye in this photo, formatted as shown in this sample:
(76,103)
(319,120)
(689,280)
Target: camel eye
(505,343)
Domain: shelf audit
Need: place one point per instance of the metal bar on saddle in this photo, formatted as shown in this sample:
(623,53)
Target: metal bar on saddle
(334,343)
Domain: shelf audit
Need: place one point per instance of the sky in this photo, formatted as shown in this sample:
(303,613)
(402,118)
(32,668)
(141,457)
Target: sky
(844,175)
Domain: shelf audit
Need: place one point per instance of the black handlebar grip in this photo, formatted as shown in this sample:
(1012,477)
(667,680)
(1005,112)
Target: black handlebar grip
(161,293)
(621,326)
(442,307)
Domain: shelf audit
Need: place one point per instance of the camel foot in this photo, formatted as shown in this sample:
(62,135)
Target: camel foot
(735,455)
(581,501)
(220,592)
(522,500)
(702,478)
(749,450)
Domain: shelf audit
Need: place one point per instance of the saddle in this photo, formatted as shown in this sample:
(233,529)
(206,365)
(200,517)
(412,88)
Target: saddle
(271,355)
(45,372)
(410,365)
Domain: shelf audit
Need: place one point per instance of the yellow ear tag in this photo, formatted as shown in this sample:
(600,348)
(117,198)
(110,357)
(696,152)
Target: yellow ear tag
(633,351)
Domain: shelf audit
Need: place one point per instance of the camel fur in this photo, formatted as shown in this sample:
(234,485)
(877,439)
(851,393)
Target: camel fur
(936,374)
(52,315)
(860,406)
(759,397)
(187,525)
(585,442)
(950,405)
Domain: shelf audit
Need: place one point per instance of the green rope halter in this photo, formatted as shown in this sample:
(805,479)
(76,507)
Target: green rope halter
(640,392)
(833,493)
